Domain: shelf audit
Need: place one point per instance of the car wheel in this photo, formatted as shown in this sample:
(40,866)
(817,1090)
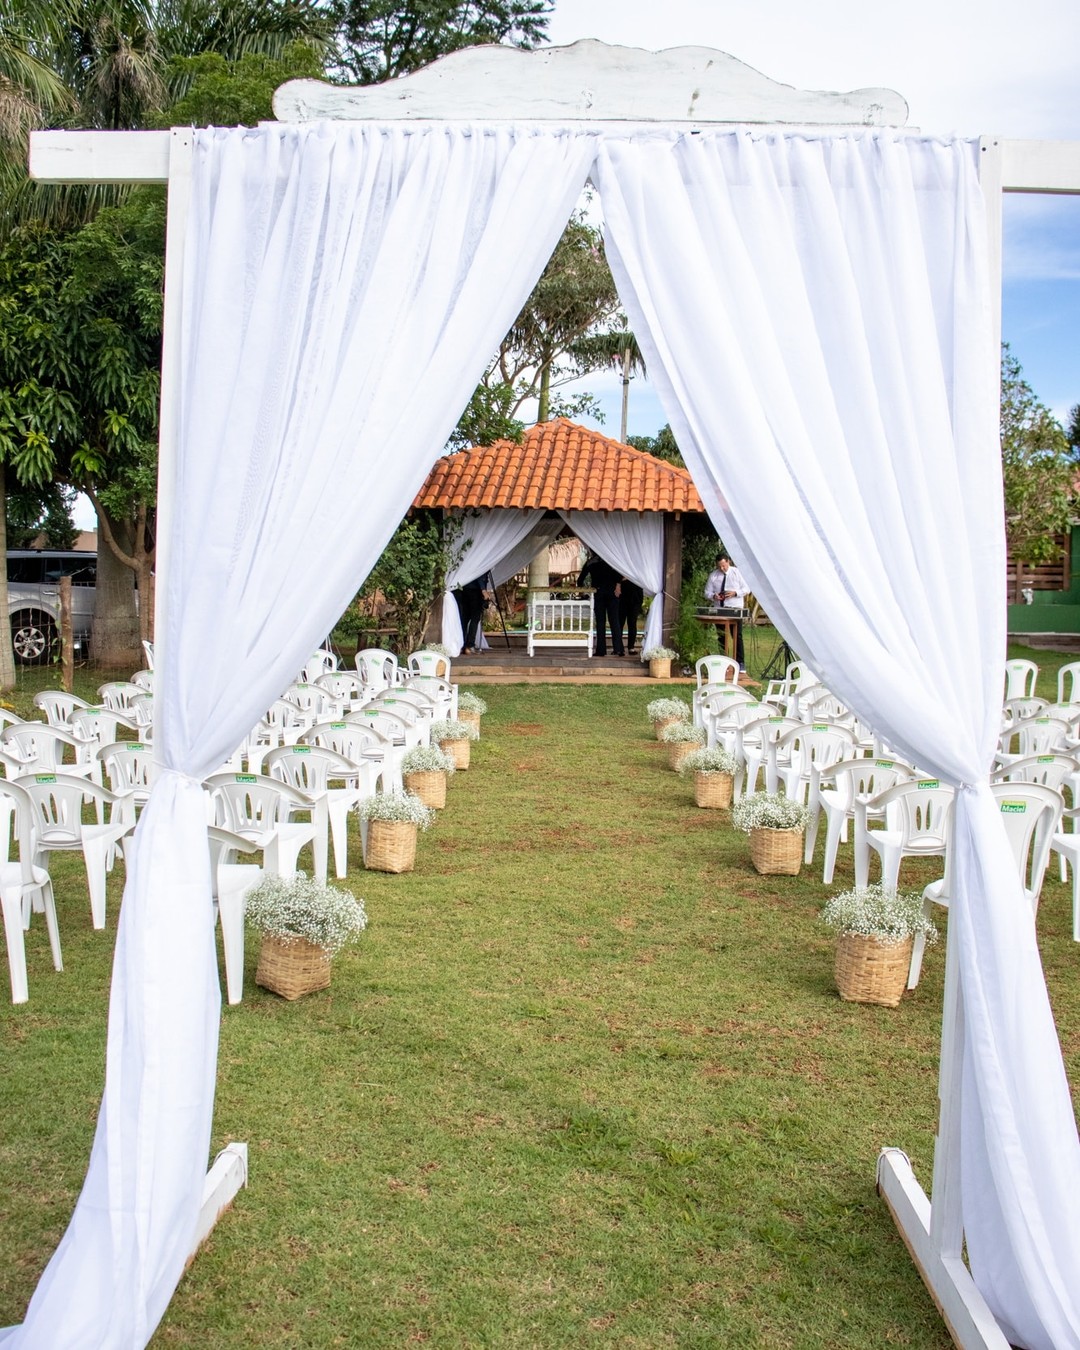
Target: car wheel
(33,637)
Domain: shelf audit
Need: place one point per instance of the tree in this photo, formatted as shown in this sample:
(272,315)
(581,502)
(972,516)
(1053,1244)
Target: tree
(380,39)
(662,445)
(1038,470)
(616,348)
(43,513)
(1072,431)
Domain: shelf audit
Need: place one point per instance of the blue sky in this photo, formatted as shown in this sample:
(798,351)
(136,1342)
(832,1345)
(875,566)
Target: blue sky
(976,67)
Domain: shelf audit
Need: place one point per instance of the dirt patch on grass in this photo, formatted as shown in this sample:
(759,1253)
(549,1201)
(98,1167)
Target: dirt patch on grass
(526,728)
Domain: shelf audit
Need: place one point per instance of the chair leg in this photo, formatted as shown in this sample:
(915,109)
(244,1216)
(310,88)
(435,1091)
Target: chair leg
(95,854)
(811,831)
(49,905)
(231,895)
(339,829)
(918,947)
(832,843)
(16,946)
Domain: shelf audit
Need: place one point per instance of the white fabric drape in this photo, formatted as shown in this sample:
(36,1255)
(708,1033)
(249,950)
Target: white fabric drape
(543,533)
(344,286)
(815,313)
(633,542)
(486,538)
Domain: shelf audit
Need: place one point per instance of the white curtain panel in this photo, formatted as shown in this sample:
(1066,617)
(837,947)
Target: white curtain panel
(544,532)
(634,543)
(815,312)
(486,537)
(344,286)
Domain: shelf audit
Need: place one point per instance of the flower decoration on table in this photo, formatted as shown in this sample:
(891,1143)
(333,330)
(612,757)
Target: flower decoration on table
(875,928)
(659,659)
(424,771)
(303,923)
(776,825)
(454,736)
(681,739)
(661,712)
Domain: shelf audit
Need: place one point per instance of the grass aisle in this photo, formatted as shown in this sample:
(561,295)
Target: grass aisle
(585,1081)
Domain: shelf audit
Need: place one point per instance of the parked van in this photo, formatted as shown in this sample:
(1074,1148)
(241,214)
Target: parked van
(34,600)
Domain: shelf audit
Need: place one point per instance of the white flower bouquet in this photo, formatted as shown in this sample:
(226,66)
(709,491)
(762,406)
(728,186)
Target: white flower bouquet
(679,733)
(299,908)
(471,703)
(396,808)
(709,759)
(668,710)
(450,729)
(768,811)
(427,759)
(890,917)
(659,654)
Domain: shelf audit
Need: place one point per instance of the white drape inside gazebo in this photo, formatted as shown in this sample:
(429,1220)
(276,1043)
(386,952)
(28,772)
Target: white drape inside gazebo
(815,312)
(633,542)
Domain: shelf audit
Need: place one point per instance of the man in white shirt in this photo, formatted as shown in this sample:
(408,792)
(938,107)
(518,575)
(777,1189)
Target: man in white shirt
(725,589)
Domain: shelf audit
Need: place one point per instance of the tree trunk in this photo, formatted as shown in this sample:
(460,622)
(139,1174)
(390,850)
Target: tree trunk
(116,624)
(7,655)
(625,390)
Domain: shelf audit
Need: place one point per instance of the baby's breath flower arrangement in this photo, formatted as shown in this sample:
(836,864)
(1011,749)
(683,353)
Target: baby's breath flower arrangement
(299,908)
(890,917)
(679,733)
(768,811)
(396,808)
(471,703)
(450,729)
(668,710)
(709,759)
(659,654)
(427,759)
(437,648)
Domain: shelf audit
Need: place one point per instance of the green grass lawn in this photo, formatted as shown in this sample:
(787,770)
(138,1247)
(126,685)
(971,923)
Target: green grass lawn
(585,1081)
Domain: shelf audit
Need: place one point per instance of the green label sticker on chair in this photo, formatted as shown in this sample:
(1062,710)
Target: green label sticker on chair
(820,726)
(930,783)
(91,712)
(245,778)
(776,719)
(1047,759)
(338,726)
(1043,721)
(135,745)
(301,749)
(884,763)
(44,778)
(1013,808)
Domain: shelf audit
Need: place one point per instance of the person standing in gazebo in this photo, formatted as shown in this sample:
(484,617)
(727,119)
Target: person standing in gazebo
(631,599)
(606,582)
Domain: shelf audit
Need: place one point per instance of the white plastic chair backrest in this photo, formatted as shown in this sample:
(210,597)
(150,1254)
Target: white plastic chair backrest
(224,846)
(145,680)
(1041,735)
(308,768)
(769,727)
(1067,712)
(129,766)
(392,725)
(734,714)
(284,717)
(98,726)
(824,706)
(920,810)
(410,704)
(717,696)
(16,802)
(1030,813)
(58,705)
(117,694)
(816,745)
(1050,770)
(1020,677)
(319,663)
(429,663)
(376,667)
(142,708)
(1015,710)
(40,746)
(1068,689)
(342,685)
(346,738)
(58,806)
(440,692)
(148,648)
(716,670)
(312,700)
(864,777)
(252,801)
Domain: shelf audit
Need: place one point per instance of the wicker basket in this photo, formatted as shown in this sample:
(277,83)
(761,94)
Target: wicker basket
(659,726)
(678,750)
(473,719)
(427,784)
(292,969)
(713,789)
(869,971)
(777,852)
(660,668)
(391,846)
(459,750)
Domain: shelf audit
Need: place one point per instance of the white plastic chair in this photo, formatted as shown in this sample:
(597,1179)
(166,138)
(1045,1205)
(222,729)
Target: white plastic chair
(1033,736)
(1068,684)
(1030,813)
(24,886)
(142,709)
(129,767)
(148,648)
(798,680)
(441,692)
(313,770)
(917,817)
(377,668)
(360,744)
(40,748)
(1015,710)
(117,695)
(716,696)
(824,707)
(57,705)
(401,700)
(723,718)
(319,663)
(401,724)
(716,670)
(257,808)
(429,663)
(806,754)
(57,800)
(835,794)
(751,750)
(314,703)
(345,687)
(1020,677)
(145,680)
(231,882)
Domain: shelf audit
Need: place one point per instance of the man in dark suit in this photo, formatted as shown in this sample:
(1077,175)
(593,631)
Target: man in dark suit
(606,582)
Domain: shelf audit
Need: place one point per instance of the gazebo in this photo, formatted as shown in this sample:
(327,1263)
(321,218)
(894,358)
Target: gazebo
(514,499)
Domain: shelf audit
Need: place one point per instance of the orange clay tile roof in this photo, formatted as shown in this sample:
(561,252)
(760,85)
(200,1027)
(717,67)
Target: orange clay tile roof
(559,466)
